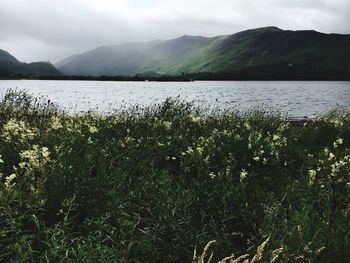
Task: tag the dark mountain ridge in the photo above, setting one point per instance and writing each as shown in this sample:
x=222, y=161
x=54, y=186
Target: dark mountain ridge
x=10, y=67
x=250, y=49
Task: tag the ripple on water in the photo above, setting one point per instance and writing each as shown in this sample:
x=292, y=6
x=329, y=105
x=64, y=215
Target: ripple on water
x=291, y=98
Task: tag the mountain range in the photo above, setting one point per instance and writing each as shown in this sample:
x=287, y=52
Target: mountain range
x=261, y=53
x=255, y=50
x=10, y=67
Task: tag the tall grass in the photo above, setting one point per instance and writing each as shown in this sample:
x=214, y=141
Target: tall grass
x=152, y=184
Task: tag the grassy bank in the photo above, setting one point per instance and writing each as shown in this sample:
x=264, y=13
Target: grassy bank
x=153, y=184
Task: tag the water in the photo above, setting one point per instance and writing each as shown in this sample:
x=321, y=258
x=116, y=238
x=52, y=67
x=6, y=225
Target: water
x=295, y=99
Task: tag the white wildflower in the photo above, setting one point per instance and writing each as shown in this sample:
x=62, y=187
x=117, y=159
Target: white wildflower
x=195, y=119
x=45, y=152
x=256, y=158
x=312, y=175
x=189, y=150
x=93, y=129
x=276, y=137
x=17, y=129
x=167, y=125
x=199, y=150
x=331, y=156
x=339, y=141
x=56, y=123
x=243, y=175
x=9, y=179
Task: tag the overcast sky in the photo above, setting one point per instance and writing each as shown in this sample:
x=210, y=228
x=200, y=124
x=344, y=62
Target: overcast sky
x=49, y=30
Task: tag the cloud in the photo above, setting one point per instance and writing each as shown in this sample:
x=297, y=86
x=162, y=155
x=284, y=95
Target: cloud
x=51, y=30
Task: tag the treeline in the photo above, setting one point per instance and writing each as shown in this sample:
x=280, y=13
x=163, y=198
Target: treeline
x=120, y=78
x=276, y=72
x=266, y=72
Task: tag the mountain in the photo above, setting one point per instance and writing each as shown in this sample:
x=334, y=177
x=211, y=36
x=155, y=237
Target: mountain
x=7, y=57
x=268, y=47
x=10, y=67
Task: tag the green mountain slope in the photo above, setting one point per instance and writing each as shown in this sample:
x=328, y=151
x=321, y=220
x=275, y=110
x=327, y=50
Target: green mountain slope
x=11, y=67
x=193, y=54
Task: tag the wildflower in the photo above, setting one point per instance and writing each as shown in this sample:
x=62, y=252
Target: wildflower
x=212, y=175
x=92, y=129
x=60, y=212
x=326, y=150
x=9, y=179
x=189, y=150
x=250, y=146
x=243, y=175
x=331, y=156
x=17, y=129
x=228, y=170
x=312, y=175
x=339, y=141
x=195, y=119
x=337, y=123
x=167, y=125
x=56, y=123
x=34, y=158
x=283, y=127
x=276, y=137
x=199, y=150
x=129, y=139
x=256, y=158
x=45, y=152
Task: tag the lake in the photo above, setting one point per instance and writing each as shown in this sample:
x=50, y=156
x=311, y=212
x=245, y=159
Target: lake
x=294, y=99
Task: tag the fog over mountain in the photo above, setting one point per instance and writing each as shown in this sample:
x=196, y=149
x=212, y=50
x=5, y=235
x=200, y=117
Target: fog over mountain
x=269, y=48
x=41, y=30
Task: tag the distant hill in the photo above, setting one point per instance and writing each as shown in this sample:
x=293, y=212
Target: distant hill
x=254, y=49
x=7, y=57
x=10, y=67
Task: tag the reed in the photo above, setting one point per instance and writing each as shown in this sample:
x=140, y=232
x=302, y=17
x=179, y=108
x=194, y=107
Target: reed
x=151, y=184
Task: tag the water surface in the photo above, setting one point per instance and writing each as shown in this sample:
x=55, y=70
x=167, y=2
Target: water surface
x=296, y=99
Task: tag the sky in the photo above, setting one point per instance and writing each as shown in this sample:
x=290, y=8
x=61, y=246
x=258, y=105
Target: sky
x=50, y=30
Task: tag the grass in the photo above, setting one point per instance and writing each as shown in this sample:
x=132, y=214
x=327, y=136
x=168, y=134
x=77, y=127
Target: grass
x=155, y=184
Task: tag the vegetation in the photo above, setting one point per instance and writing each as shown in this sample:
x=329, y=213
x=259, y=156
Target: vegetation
x=11, y=68
x=260, y=53
x=158, y=183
